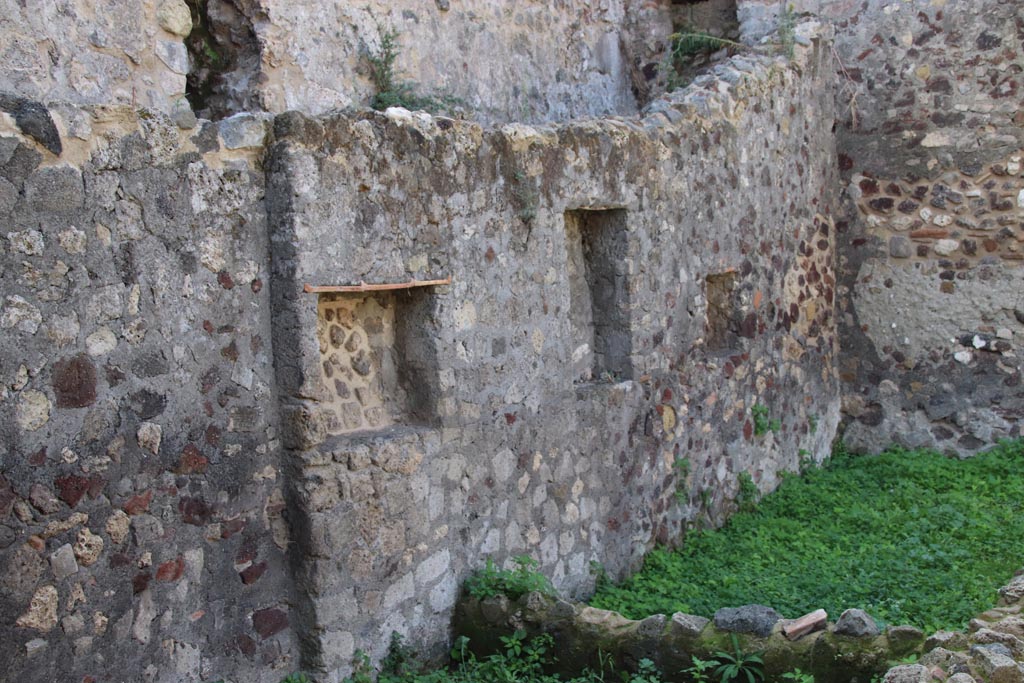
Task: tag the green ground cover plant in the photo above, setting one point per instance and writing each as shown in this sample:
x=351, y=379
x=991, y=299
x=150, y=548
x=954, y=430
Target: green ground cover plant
x=912, y=537
x=515, y=583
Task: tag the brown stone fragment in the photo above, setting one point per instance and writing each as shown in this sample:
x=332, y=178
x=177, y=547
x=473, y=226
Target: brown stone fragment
x=246, y=645
x=6, y=498
x=42, y=499
x=74, y=382
x=230, y=352
x=194, y=511
x=140, y=582
x=38, y=458
x=192, y=461
x=71, y=488
x=869, y=186
x=224, y=280
x=136, y=505
x=268, y=622
x=171, y=571
x=882, y=204
x=231, y=527
x=253, y=573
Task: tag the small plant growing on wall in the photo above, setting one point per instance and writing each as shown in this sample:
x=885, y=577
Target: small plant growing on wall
x=787, y=30
x=682, y=467
x=762, y=423
x=514, y=583
x=747, y=494
x=526, y=197
x=687, y=44
x=392, y=91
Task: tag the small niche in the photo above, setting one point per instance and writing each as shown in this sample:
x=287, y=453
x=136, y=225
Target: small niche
x=599, y=312
x=377, y=359
x=722, y=325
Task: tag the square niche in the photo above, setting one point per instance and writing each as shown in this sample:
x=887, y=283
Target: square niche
x=377, y=359
x=602, y=342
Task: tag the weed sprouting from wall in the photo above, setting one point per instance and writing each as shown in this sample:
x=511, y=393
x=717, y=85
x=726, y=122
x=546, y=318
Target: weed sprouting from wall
x=391, y=89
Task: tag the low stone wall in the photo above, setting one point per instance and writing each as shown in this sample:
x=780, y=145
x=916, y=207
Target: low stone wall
x=991, y=650
x=852, y=649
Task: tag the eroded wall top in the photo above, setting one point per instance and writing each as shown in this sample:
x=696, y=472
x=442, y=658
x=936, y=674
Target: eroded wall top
x=492, y=61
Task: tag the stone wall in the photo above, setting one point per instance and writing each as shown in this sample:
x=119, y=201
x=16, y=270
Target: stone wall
x=930, y=139
x=177, y=411
x=207, y=471
x=930, y=143
x=96, y=52
x=575, y=409
x=141, y=498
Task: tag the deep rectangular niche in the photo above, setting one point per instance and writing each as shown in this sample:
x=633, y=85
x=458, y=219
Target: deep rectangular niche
x=599, y=310
x=377, y=359
x=722, y=327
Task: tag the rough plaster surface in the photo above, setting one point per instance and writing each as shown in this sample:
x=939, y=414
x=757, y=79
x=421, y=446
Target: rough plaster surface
x=892, y=313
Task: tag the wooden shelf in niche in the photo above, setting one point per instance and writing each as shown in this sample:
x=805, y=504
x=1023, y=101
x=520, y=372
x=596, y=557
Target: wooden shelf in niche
x=373, y=287
x=377, y=357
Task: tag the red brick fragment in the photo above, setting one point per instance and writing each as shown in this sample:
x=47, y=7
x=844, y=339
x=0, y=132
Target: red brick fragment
x=71, y=488
x=269, y=622
x=192, y=461
x=136, y=505
x=926, y=233
x=171, y=571
x=253, y=573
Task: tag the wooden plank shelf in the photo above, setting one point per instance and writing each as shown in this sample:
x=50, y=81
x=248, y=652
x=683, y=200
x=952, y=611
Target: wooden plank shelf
x=373, y=287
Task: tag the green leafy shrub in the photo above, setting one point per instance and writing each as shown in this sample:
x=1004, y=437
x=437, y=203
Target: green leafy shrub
x=739, y=665
x=392, y=91
x=798, y=676
x=684, y=46
x=762, y=423
x=748, y=494
x=910, y=536
x=514, y=583
x=700, y=670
